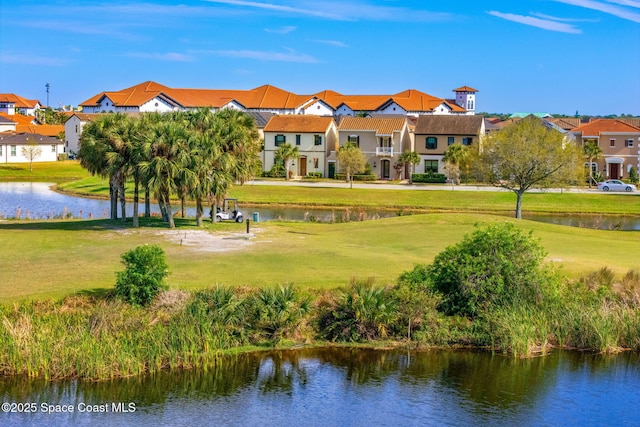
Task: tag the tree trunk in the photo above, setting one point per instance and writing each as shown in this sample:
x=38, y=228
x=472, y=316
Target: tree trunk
x=182, y=209
x=136, y=199
x=199, y=211
x=147, y=202
x=172, y=224
x=123, y=199
x=590, y=171
x=113, y=197
x=519, y=194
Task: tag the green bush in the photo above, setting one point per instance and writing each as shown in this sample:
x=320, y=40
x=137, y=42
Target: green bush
x=314, y=175
x=432, y=178
x=342, y=176
x=494, y=266
x=143, y=276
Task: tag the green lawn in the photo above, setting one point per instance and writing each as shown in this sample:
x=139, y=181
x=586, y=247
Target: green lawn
x=43, y=171
x=55, y=258
x=431, y=200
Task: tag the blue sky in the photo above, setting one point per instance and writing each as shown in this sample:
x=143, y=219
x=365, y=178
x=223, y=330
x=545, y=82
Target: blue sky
x=559, y=56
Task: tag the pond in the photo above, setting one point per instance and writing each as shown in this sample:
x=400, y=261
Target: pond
x=355, y=387
x=35, y=200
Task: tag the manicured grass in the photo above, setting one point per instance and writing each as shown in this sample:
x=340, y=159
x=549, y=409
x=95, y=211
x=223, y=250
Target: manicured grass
x=431, y=200
x=43, y=171
x=56, y=258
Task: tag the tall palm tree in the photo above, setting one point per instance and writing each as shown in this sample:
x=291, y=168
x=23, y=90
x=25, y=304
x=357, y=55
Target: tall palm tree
x=103, y=151
x=453, y=157
x=592, y=151
x=409, y=158
x=168, y=162
x=287, y=152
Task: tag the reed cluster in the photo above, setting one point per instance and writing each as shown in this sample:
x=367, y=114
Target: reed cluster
x=101, y=338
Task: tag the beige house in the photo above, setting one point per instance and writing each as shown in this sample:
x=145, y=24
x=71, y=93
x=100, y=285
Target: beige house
x=314, y=136
x=434, y=134
x=381, y=139
x=619, y=142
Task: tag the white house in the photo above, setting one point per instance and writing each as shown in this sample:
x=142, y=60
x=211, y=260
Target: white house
x=15, y=147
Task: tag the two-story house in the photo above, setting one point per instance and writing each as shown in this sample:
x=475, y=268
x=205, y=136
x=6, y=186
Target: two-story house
x=619, y=143
x=434, y=134
x=382, y=140
x=314, y=136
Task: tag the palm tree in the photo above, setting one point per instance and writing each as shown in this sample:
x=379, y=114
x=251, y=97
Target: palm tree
x=592, y=151
x=287, y=152
x=409, y=158
x=103, y=151
x=453, y=157
x=168, y=163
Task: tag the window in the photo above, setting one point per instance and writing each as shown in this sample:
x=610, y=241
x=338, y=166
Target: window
x=297, y=139
x=317, y=139
x=354, y=139
x=431, y=166
x=0, y=150
x=13, y=151
x=451, y=140
x=470, y=105
x=612, y=142
x=431, y=143
x=53, y=148
x=316, y=162
x=467, y=140
x=280, y=139
x=628, y=142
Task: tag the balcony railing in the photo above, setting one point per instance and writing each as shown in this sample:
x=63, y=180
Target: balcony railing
x=384, y=151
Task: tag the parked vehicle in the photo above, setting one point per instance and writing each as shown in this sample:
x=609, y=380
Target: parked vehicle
x=615, y=185
x=227, y=212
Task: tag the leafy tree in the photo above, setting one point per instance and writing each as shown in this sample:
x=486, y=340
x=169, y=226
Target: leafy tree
x=527, y=153
x=592, y=152
x=409, y=158
x=633, y=175
x=351, y=160
x=286, y=152
x=454, y=157
x=31, y=151
x=496, y=265
x=143, y=276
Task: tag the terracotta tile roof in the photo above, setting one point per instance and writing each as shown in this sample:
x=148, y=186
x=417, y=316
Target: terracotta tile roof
x=596, y=127
x=382, y=126
x=465, y=89
x=20, y=119
x=46, y=130
x=298, y=123
x=267, y=97
x=449, y=125
x=19, y=101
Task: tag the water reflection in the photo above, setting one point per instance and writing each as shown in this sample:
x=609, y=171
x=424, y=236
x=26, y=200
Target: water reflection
x=357, y=387
x=35, y=200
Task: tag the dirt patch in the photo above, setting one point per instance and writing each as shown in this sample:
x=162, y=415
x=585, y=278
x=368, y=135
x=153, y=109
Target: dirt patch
x=205, y=241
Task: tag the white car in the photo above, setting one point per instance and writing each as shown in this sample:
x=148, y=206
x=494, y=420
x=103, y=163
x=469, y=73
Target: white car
x=616, y=185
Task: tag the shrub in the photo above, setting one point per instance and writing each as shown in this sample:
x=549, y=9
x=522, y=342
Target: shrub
x=360, y=177
x=496, y=265
x=432, y=178
x=314, y=175
x=143, y=276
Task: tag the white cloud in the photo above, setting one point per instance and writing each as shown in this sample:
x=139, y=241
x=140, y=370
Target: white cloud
x=618, y=11
x=169, y=56
x=343, y=11
x=290, y=56
x=555, y=18
x=332, y=43
x=545, y=24
x=630, y=3
x=281, y=30
x=21, y=58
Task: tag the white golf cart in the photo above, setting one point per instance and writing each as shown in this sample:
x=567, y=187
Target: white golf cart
x=228, y=212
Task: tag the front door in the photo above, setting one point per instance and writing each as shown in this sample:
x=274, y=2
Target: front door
x=332, y=170
x=302, y=168
x=386, y=169
x=614, y=171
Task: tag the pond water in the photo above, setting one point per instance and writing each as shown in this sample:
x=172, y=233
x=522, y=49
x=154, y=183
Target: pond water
x=35, y=200
x=354, y=387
